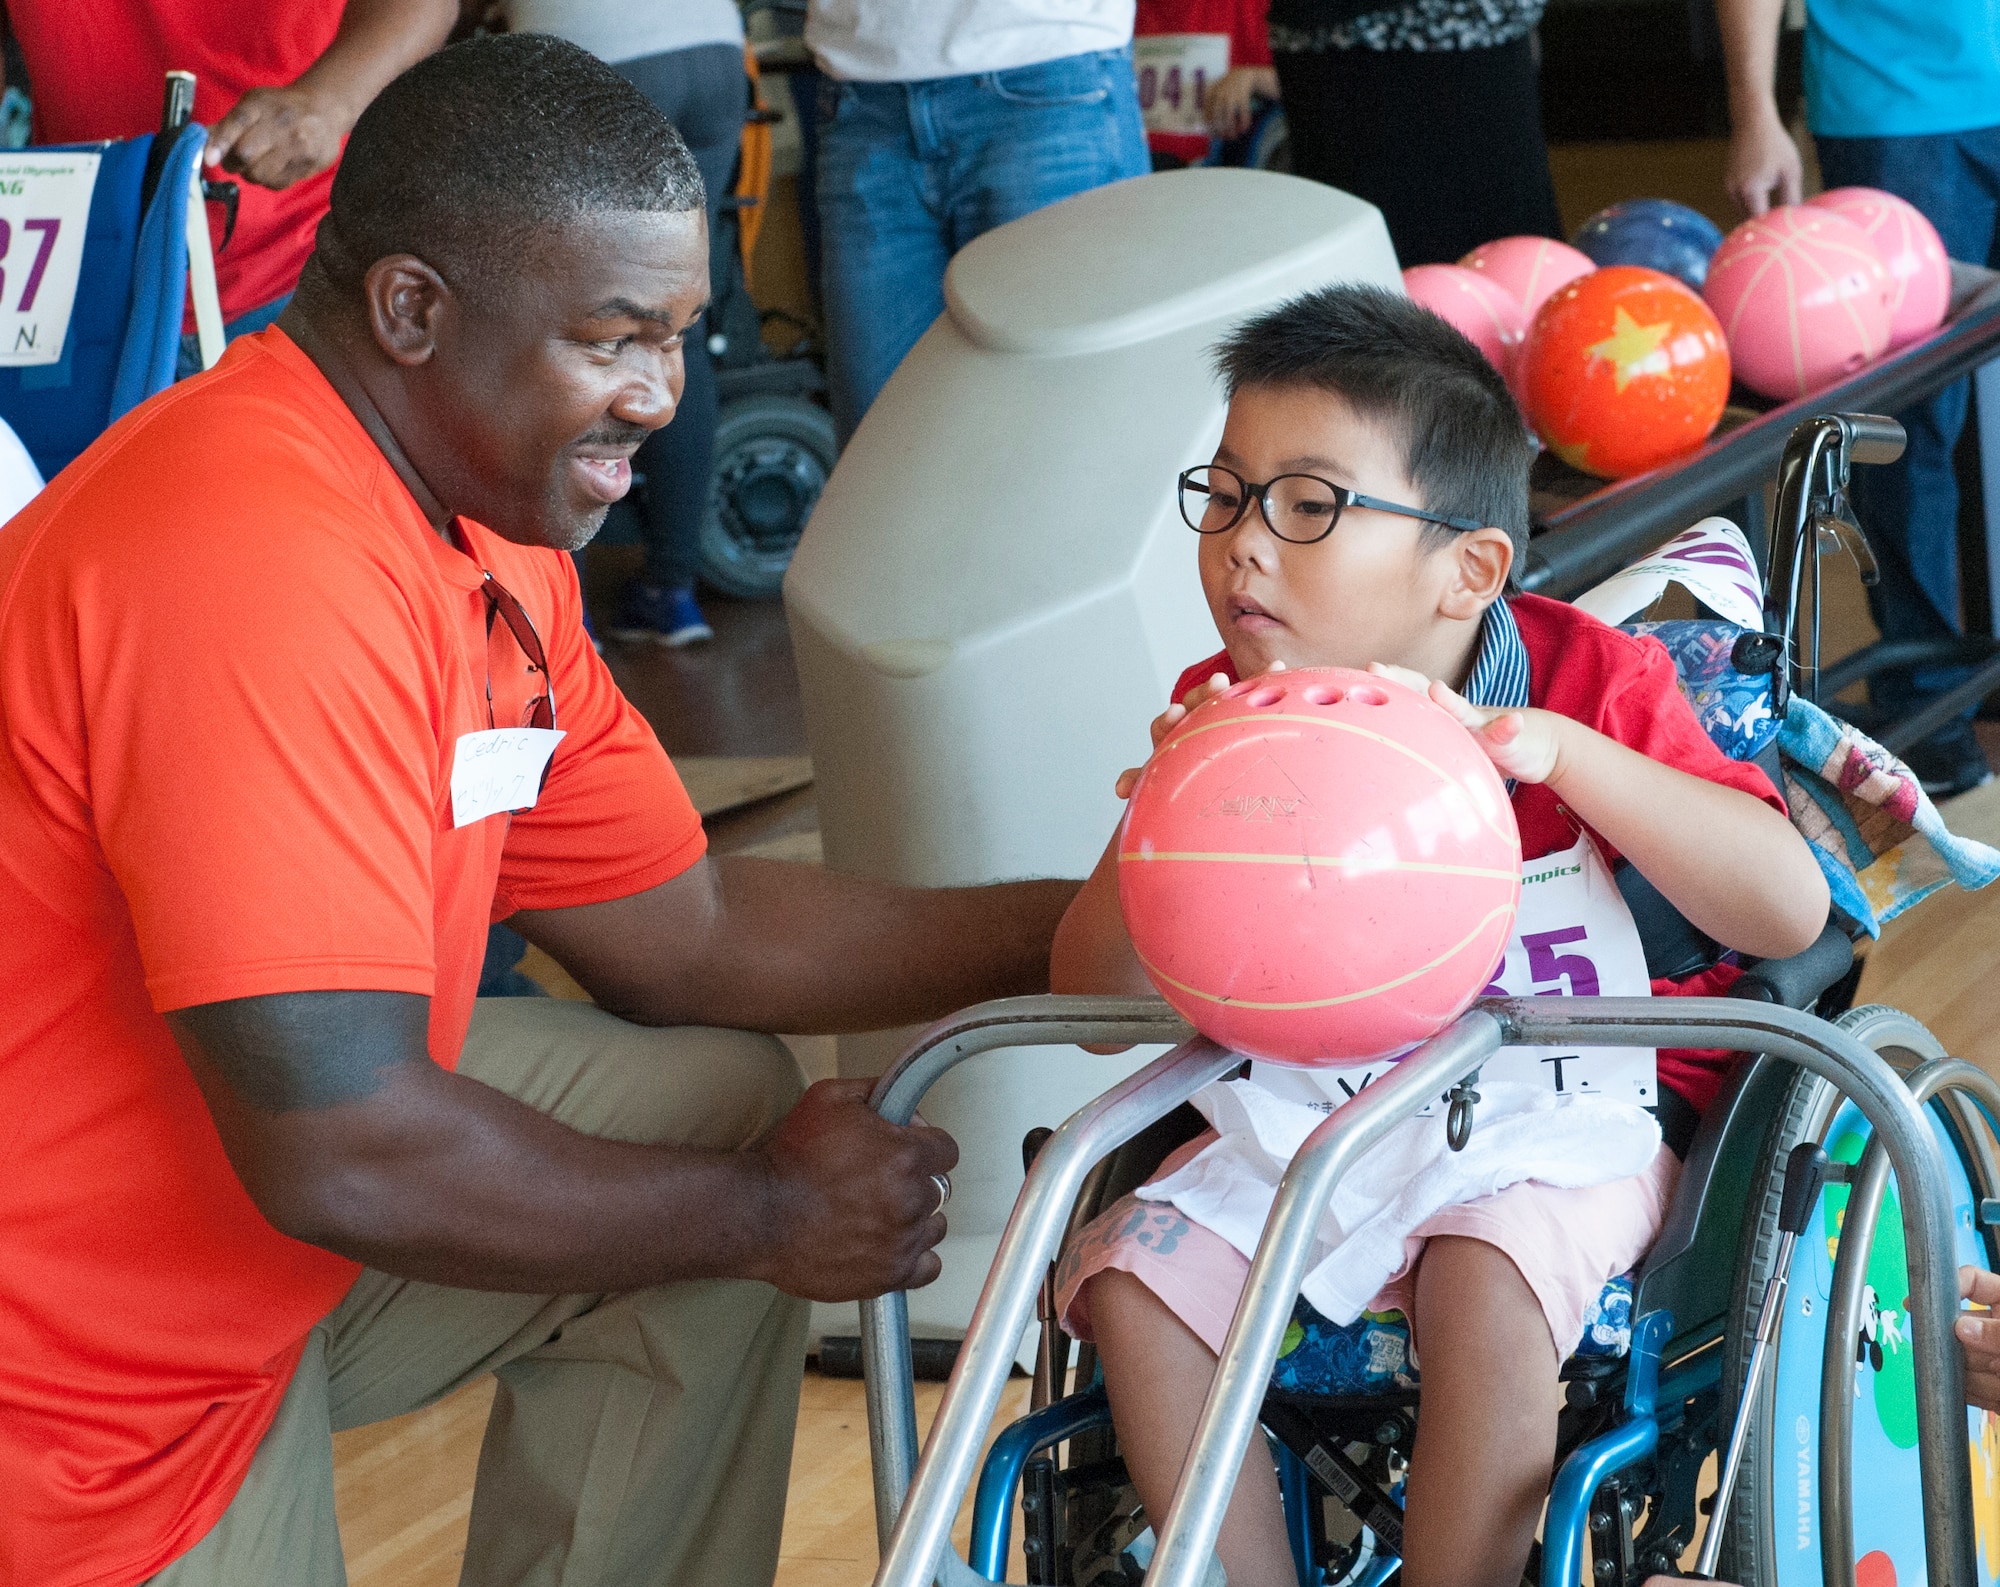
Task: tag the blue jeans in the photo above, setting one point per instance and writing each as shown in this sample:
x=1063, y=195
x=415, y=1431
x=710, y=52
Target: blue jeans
x=909, y=173
x=1910, y=508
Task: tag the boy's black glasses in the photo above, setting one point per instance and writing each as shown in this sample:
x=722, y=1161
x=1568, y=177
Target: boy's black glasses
x=1300, y=508
x=500, y=602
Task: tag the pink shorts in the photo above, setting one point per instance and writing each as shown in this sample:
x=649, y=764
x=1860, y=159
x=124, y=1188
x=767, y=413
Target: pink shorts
x=1566, y=1243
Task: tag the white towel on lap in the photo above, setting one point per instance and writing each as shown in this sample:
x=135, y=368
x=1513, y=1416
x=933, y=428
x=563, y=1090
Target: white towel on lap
x=1521, y=1132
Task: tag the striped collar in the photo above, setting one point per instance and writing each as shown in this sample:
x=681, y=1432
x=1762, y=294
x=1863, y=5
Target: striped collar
x=1499, y=678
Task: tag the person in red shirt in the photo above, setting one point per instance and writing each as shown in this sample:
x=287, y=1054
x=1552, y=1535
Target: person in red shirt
x=278, y=85
x=294, y=700
x=1202, y=64
x=1365, y=507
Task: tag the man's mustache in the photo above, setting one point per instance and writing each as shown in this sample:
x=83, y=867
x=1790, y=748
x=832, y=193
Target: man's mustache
x=615, y=433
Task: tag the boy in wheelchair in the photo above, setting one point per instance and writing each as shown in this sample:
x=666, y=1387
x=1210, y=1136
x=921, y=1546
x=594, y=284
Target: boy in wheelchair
x=1393, y=509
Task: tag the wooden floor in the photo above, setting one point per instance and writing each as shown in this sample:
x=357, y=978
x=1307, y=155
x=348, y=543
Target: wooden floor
x=404, y=1489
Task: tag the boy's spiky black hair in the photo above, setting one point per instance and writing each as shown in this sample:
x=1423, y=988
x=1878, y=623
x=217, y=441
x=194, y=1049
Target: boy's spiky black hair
x=1397, y=364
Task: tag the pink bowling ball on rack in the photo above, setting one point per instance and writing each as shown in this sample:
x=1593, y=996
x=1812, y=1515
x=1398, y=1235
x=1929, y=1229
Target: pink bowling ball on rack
x=1490, y=317
x=1803, y=299
x=1911, y=251
x=1319, y=868
x=1530, y=268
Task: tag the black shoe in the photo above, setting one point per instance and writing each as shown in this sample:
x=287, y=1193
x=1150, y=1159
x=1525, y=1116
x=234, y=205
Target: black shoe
x=666, y=617
x=1949, y=762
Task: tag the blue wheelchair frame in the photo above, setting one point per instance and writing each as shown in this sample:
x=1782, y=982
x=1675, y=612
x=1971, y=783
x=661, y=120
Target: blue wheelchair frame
x=1668, y=1380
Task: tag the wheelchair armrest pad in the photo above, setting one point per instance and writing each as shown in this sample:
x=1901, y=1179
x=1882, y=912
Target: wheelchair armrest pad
x=1797, y=982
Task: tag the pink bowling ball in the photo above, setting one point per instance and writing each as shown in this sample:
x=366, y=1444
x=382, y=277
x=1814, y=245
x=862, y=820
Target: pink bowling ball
x=1911, y=251
x=1491, y=318
x=1803, y=299
x=1319, y=868
x=1530, y=268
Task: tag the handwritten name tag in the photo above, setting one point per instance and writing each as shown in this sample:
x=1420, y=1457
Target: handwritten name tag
x=499, y=769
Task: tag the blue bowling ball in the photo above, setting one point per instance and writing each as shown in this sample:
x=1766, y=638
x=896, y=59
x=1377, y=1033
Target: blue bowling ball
x=1654, y=232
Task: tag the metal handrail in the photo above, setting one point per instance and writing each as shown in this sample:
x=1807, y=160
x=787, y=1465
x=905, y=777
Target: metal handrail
x=887, y=1380
x=919, y=1543
x=1188, y=1533
x=916, y=1549
x=1939, y=1076
x=1229, y=1415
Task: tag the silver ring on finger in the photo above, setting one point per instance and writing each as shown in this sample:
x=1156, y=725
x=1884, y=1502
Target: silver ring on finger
x=943, y=1183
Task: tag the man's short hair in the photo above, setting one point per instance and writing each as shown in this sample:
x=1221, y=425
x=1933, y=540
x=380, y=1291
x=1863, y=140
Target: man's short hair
x=1395, y=363
x=469, y=151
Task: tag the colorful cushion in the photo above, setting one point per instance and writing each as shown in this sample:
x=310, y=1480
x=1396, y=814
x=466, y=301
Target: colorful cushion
x=1734, y=708
x=1372, y=1354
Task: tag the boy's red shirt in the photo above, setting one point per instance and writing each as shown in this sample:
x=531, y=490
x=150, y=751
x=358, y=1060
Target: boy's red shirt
x=1625, y=688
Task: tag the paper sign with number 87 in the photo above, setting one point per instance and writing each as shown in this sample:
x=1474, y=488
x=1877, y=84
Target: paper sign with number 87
x=44, y=210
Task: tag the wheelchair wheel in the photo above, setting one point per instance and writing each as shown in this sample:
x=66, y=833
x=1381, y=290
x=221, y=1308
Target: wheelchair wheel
x=1774, y=1524
x=773, y=454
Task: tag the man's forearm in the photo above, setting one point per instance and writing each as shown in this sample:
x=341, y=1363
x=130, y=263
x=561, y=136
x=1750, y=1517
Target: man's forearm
x=862, y=955
x=433, y=1176
x=762, y=945
x=1750, y=55
x=346, y=1135
x=376, y=41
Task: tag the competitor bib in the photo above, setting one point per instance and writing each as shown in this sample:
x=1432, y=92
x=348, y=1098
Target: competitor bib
x=44, y=208
x=1574, y=936
x=1175, y=71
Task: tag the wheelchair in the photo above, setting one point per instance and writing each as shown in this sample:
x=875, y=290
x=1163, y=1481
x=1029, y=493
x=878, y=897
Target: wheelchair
x=1857, y=1369
x=146, y=258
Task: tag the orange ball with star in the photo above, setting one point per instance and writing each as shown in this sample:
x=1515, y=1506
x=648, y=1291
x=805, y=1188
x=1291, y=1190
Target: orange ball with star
x=1623, y=370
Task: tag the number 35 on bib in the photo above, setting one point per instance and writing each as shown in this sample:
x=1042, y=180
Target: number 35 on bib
x=1574, y=936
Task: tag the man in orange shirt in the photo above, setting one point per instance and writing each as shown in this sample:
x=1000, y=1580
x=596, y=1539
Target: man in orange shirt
x=294, y=698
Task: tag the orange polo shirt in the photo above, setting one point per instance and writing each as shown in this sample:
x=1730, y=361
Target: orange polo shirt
x=235, y=661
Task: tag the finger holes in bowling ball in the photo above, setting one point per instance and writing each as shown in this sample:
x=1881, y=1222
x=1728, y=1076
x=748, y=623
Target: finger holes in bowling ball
x=1367, y=695
x=1265, y=697
x=1320, y=694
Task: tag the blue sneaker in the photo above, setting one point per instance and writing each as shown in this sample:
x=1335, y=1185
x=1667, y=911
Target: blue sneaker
x=663, y=617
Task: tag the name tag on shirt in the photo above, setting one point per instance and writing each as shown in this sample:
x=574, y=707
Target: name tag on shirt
x=498, y=770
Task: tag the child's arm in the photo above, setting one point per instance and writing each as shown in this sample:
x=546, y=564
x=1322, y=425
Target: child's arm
x=1728, y=861
x=1092, y=953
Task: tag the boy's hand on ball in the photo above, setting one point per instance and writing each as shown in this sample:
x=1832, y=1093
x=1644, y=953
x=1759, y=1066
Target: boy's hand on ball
x=854, y=1209
x=1174, y=715
x=1522, y=745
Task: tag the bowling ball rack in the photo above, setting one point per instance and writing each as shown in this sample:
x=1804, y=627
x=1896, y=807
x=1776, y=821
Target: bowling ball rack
x=1584, y=530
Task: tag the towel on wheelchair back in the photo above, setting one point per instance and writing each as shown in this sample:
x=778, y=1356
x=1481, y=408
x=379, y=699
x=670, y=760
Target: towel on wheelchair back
x=1879, y=840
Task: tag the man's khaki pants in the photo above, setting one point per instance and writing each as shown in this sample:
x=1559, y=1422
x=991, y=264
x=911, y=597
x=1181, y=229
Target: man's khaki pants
x=635, y=1439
